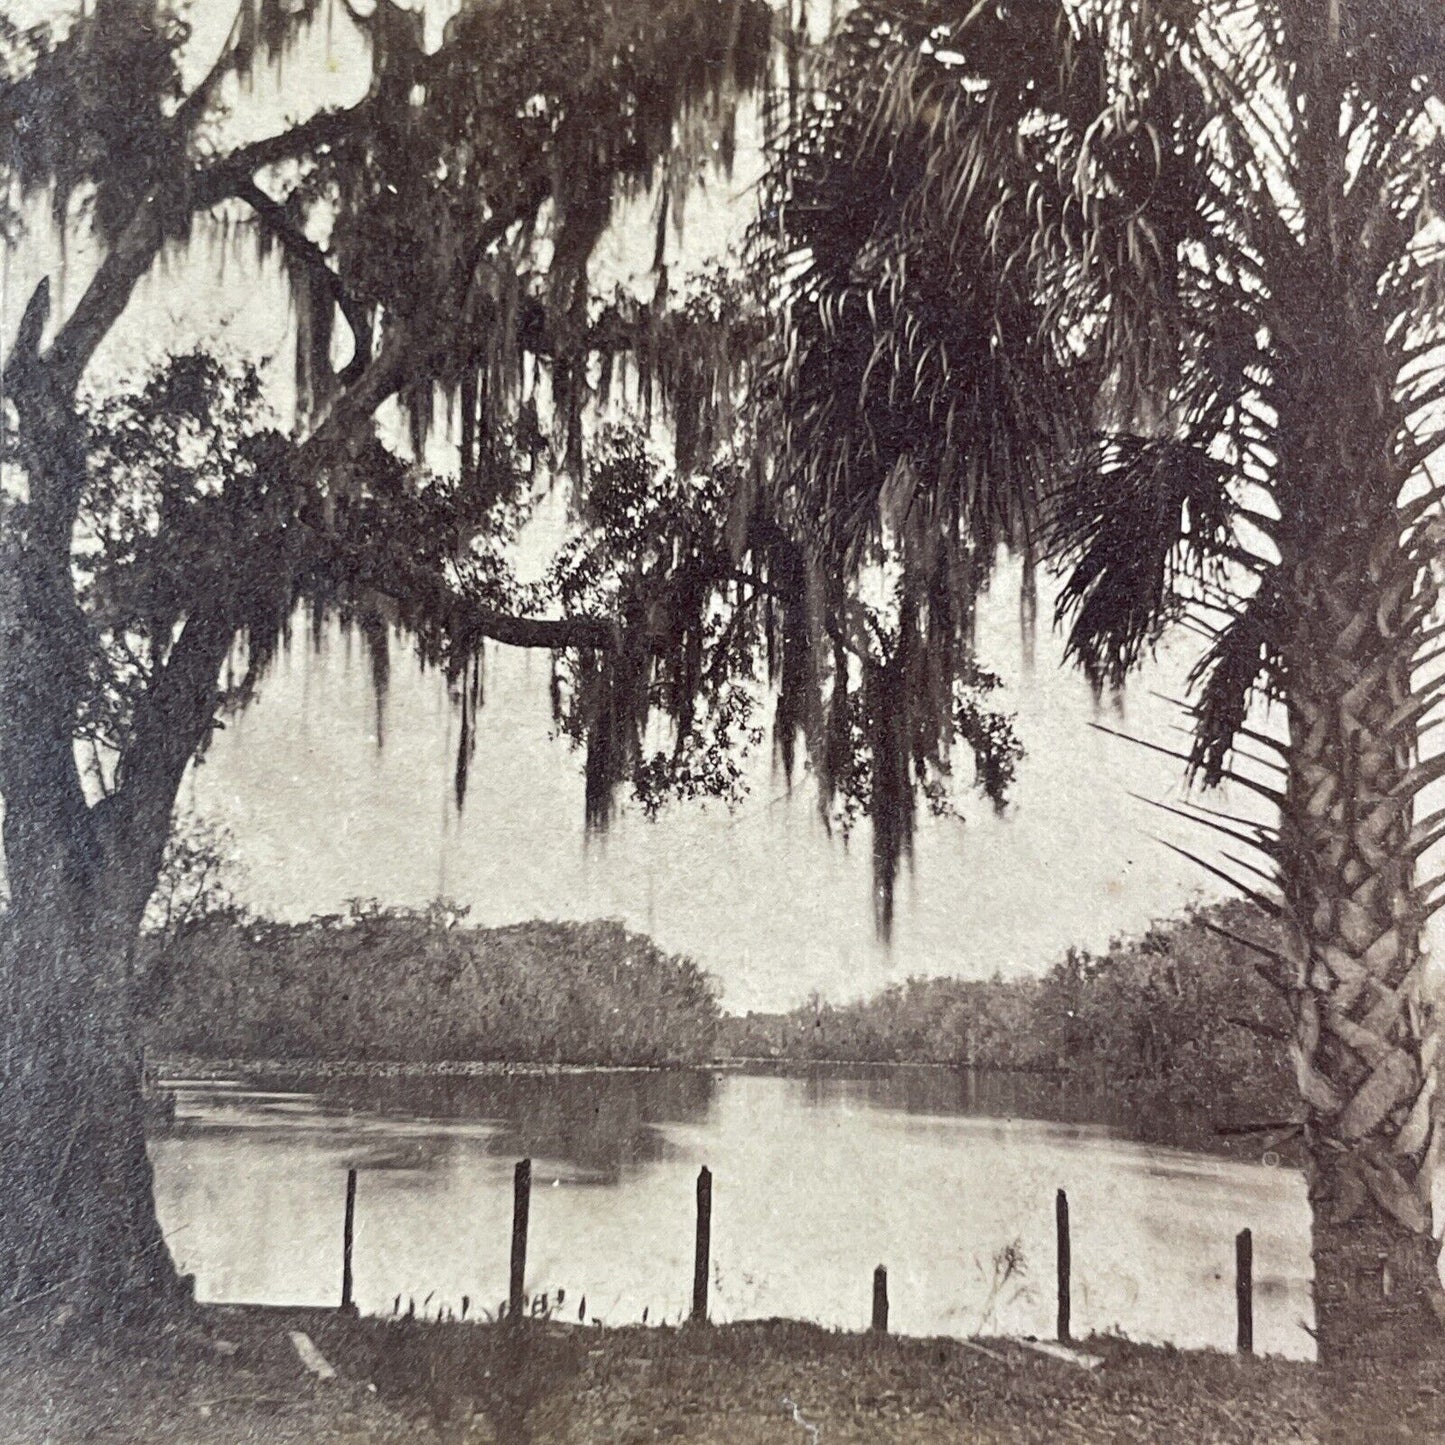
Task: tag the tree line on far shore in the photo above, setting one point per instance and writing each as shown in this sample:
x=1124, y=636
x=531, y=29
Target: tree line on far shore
x=423, y=985
x=1175, y=1020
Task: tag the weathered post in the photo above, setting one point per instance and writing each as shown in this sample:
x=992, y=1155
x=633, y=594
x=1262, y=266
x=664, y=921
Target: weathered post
x=1061, y=1225
x=348, y=1239
x=1244, y=1290
x=702, y=1256
x=521, y=1208
x=880, y=1301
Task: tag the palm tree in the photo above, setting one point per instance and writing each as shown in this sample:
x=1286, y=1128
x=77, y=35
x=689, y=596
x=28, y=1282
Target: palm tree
x=1153, y=287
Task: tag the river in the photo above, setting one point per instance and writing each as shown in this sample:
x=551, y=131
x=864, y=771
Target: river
x=817, y=1178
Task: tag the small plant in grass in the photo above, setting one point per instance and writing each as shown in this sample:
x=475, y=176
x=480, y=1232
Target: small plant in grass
x=1009, y=1267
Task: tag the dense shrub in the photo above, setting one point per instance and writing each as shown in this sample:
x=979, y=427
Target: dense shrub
x=1179, y=1017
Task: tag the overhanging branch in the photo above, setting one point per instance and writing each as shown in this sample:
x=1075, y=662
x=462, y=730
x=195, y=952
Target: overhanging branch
x=467, y=622
x=427, y=602
x=596, y=634
x=218, y=179
x=272, y=215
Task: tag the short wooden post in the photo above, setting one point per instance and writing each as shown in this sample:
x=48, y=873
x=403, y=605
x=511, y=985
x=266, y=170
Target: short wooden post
x=521, y=1208
x=1244, y=1290
x=1061, y=1225
x=348, y=1239
x=880, y=1301
x=702, y=1255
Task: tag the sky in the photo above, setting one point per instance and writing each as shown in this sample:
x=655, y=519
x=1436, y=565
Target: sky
x=762, y=896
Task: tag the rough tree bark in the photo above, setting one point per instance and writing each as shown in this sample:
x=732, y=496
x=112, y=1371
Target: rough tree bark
x=75, y=1178
x=79, y=1215
x=1359, y=596
x=1356, y=917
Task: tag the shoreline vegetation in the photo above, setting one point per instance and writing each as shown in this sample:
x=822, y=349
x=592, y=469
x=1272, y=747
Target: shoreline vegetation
x=1172, y=1033
x=232, y=1375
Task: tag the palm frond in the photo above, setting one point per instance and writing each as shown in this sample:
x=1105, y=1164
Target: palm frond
x=1246, y=658
x=1138, y=515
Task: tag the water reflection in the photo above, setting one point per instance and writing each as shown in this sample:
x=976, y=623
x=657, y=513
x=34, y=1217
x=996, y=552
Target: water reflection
x=944, y=1177
x=601, y=1124
x=951, y=1091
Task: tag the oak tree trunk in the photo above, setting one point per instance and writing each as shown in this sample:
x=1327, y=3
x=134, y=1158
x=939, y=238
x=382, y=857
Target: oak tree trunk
x=79, y=1219
x=77, y=1213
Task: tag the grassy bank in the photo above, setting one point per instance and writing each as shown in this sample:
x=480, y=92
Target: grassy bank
x=233, y=1377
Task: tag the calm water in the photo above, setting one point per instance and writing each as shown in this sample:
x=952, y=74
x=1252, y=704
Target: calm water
x=816, y=1180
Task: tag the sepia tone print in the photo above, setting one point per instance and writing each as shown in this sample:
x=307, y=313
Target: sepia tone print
x=717, y=720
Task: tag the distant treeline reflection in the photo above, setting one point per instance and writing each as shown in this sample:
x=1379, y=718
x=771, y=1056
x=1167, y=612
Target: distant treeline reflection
x=603, y=1125
x=1176, y=1024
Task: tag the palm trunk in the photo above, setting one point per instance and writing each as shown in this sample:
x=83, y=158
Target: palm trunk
x=1355, y=917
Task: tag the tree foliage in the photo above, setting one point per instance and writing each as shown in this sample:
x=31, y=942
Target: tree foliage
x=1173, y=1027
x=460, y=200
x=157, y=544
x=462, y=197
x=421, y=985
x=1076, y=285
x=1178, y=268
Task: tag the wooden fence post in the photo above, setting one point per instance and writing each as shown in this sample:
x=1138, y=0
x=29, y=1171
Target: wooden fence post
x=702, y=1256
x=1244, y=1290
x=521, y=1208
x=348, y=1240
x=880, y=1301
x=1061, y=1226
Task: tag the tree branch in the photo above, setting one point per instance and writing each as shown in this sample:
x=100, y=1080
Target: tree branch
x=399, y=353
x=98, y=309
x=132, y=256
x=172, y=721
x=341, y=426
x=272, y=215
x=176, y=713
x=217, y=179
x=467, y=622
x=194, y=105
x=555, y=634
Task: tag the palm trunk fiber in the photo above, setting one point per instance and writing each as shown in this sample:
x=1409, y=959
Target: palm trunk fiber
x=1355, y=916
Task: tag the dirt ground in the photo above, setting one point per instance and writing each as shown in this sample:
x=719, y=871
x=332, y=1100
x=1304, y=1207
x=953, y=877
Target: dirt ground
x=233, y=1376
